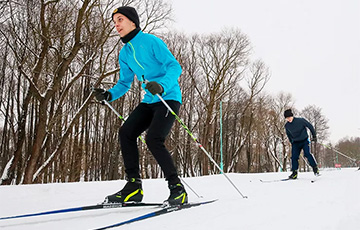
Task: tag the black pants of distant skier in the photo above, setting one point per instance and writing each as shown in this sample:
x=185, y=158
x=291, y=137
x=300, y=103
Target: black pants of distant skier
x=295, y=153
x=157, y=120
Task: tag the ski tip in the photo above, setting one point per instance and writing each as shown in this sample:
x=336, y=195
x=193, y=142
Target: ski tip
x=276, y=180
x=200, y=203
x=192, y=203
x=211, y=201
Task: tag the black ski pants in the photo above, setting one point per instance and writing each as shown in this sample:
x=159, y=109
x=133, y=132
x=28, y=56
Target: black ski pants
x=157, y=120
x=296, y=148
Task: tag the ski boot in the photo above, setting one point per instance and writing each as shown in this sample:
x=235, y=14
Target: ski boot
x=178, y=195
x=316, y=171
x=294, y=175
x=131, y=192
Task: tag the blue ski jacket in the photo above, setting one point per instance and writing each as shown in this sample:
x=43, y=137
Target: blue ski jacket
x=148, y=57
x=296, y=130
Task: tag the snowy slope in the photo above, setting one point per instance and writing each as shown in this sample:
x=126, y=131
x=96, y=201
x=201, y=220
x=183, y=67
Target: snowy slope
x=332, y=202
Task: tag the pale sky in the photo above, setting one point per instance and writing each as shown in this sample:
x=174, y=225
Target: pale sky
x=312, y=48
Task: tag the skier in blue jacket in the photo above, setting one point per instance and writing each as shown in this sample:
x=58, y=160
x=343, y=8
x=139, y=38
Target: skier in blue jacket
x=148, y=58
x=299, y=139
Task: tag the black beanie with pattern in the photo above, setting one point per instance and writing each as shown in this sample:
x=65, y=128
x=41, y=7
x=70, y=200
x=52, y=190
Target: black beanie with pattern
x=129, y=12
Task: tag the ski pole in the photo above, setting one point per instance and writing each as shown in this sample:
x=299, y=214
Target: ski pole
x=198, y=143
x=183, y=181
x=123, y=119
x=119, y=116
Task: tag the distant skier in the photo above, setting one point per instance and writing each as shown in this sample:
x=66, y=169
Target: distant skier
x=147, y=57
x=299, y=139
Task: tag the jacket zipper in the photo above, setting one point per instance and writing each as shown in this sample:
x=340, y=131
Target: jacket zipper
x=137, y=62
x=132, y=47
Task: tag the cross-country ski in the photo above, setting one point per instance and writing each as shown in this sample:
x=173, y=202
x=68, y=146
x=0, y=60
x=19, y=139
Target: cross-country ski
x=288, y=179
x=162, y=211
x=276, y=180
x=83, y=208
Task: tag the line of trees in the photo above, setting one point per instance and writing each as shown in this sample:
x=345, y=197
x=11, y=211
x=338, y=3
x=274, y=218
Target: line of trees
x=52, y=129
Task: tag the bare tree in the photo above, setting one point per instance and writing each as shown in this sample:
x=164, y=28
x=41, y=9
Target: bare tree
x=280, y=144
x=257, y=79
x=314, y=115
x=222, y=59
x=64, y=56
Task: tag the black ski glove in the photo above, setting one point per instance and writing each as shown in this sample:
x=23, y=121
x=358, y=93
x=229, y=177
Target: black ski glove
x=154, y=88
x=314, y=139
x=101, y=94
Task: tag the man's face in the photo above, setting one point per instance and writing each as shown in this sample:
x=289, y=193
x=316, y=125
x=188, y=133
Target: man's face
x=123, y=25
x=289, y=119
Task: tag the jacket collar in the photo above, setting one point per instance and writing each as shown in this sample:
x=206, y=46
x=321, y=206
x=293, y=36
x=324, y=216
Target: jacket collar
x=130, y=35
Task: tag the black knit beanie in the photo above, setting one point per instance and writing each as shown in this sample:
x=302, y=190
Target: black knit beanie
x=129, y=12
x=288, y=113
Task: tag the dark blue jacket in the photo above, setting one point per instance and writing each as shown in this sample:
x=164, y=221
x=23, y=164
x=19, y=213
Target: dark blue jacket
x=296, y=130
x=147, y=56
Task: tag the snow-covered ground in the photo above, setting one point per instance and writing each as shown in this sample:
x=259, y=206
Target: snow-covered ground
x=332, y=202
